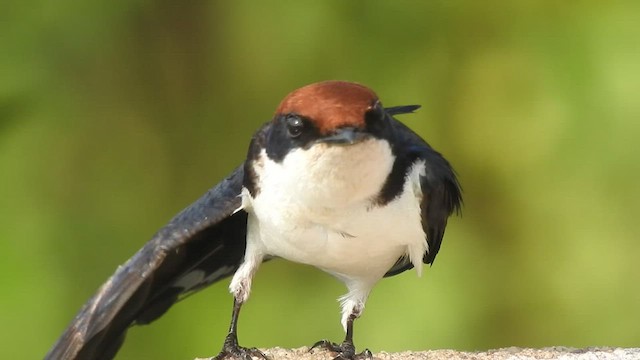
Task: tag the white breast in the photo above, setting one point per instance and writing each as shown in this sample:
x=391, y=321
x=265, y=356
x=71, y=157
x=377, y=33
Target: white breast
x=315, y=207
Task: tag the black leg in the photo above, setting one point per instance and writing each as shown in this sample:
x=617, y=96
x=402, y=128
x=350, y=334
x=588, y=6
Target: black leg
x=231, y=349
x=346, y=350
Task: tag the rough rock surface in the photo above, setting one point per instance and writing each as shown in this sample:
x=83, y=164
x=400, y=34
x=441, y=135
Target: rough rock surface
x=562, y=353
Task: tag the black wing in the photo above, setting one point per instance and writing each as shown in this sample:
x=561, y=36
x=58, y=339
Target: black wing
x=441, y=192
x=201, y=245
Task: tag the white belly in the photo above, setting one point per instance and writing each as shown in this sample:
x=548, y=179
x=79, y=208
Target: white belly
x=359, y=244
x=337, y=230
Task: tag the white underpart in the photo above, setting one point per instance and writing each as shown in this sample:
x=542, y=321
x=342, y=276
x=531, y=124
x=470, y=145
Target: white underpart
x=316, y=207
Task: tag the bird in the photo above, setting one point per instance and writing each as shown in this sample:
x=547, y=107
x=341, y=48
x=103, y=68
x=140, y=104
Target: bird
x=333, y=180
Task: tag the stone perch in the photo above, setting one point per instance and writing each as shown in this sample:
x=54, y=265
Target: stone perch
x=512, y=353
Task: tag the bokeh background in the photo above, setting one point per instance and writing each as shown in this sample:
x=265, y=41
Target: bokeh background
x=115, y=115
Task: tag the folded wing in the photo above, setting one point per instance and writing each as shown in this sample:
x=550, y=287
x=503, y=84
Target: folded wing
x=441, y=192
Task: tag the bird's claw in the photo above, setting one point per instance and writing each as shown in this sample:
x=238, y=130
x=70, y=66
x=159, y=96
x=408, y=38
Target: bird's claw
x=231, y=350
x=345, y=351
x=240, y=353
x=326, y=344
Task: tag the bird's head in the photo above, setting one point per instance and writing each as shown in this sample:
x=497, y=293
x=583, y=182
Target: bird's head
x=335, y=133
x=328, y=114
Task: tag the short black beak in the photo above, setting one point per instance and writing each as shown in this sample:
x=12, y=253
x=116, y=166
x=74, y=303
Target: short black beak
x=346, y=136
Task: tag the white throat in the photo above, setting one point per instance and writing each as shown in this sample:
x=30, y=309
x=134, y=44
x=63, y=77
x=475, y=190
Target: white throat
x=331, y=176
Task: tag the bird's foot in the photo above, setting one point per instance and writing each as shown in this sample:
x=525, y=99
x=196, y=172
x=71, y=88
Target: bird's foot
x=240, y=353
x=345, y=351
x=231, y=350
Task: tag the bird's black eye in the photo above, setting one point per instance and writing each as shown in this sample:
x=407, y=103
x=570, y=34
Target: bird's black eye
x=295, y=125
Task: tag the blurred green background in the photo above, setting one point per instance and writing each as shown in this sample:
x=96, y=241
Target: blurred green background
x=115, y=115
